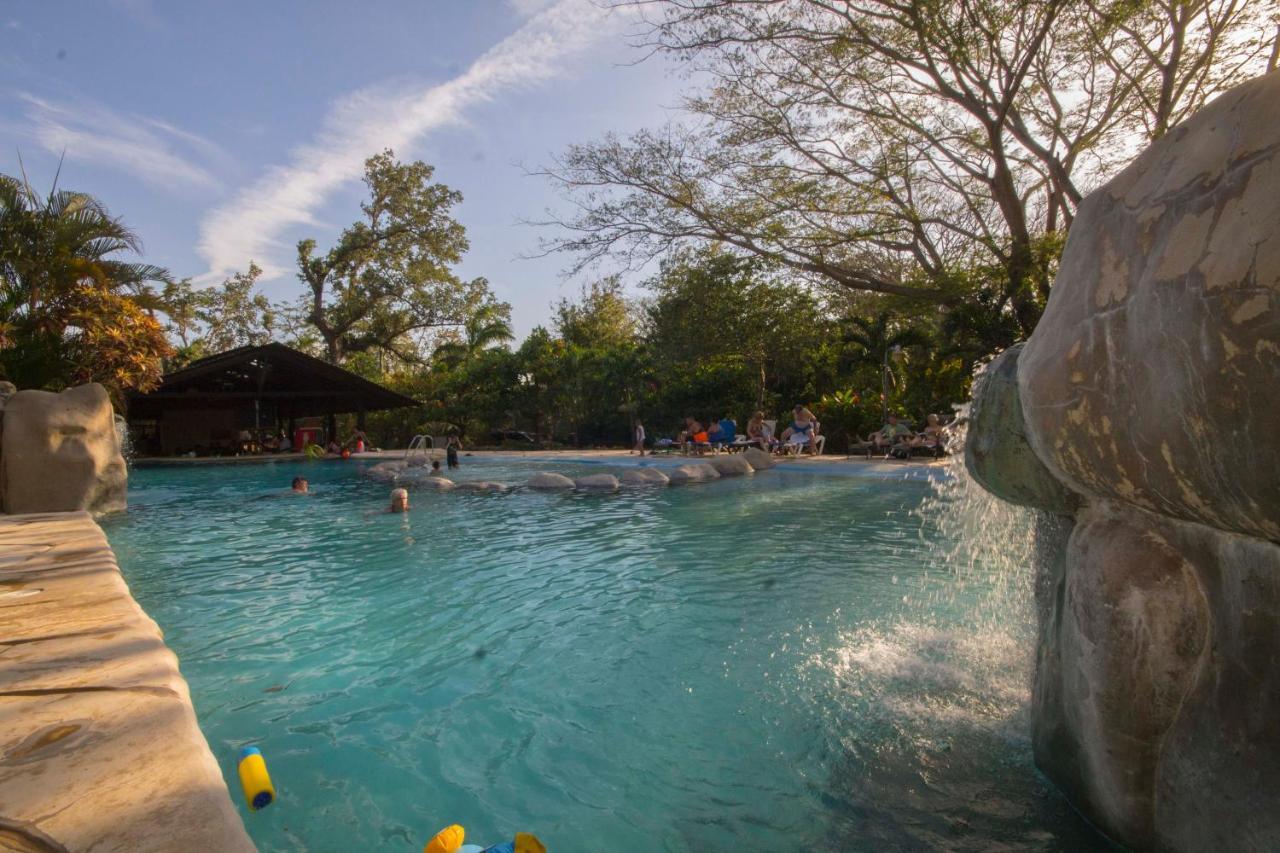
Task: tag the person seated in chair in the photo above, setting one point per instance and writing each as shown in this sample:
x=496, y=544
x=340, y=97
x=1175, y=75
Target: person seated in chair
x=891, y=436
x=933, y=437
x=803, y=430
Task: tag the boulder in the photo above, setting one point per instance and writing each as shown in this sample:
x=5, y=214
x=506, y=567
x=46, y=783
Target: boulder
x=696, y=473
x=422, y=478
x=480, y=486
x=597, y=483
x=644, y=477
x=1152, y=377
x=61, y=452
x=384, y=472
x=758, y=459
x=549, y=481
x=1141, y=415
x=731, y=465
x=997, y=451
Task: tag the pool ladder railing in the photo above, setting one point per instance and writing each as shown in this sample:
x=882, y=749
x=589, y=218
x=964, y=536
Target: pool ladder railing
x=424, y=444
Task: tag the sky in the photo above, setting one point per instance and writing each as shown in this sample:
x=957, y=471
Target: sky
x=225, y=132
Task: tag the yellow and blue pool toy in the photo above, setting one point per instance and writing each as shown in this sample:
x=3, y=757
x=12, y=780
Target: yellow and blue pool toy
x=449, y=840
x=254, y=779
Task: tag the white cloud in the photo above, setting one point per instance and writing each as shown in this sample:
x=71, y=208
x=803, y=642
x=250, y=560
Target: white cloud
x=526, y=8
x=251, y=224
x=149, y=149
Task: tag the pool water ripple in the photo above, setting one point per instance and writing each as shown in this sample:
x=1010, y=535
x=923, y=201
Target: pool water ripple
x=770, y=663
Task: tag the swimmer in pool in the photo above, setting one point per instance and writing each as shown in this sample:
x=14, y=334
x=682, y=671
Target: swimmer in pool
x=300, y=485
x=399, y=501
x=435, y=469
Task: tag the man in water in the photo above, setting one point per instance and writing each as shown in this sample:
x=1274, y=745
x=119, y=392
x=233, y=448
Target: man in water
x=451, y=449
x=435, y=469
x=300, y=485
x=399, y=500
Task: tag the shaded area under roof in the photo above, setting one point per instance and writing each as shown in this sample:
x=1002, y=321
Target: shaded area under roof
x=294, y=381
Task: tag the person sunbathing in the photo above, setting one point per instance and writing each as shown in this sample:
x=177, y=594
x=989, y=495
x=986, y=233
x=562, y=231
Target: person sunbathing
x=932, y=437
x=891, y=435
x=803, y=430
x=758, y=432
x=694, y=437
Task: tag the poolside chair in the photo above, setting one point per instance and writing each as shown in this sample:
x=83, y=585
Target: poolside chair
x=728, y=435
x=797, y=449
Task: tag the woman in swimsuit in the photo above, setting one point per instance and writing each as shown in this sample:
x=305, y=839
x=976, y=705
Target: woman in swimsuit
x=802, y=421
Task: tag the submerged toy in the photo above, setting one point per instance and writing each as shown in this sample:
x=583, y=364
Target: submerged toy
x=449, y=840
x=254, y=779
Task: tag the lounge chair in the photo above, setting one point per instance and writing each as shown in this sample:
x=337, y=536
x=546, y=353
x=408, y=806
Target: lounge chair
x=728, y=435
x=797, y=448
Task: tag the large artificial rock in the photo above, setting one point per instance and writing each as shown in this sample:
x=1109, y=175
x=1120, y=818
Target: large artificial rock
x=480, y=486
x=644, y=477
x=997, y=451
x=731, y=465
x=758, y=459
x=384, y=472
x=421, y=478
x=547, y=481
x=597, y=483
x=1141, y=415
x=1153, y=376
x=697, y=473
x=61, y=453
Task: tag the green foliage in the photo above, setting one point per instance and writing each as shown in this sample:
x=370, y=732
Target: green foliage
x=389, y=277
x=70, y=310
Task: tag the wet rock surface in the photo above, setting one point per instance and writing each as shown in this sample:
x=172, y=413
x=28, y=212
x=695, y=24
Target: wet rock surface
x=644, y=477
x=697, y=473
x=99, y=747
x=1148, y=400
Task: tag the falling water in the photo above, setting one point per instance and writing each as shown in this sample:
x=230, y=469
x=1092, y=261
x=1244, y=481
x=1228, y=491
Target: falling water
x=124, y=441
x=936, y=696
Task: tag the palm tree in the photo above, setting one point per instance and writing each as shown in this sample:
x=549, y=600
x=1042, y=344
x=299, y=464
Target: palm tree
x=485, y=328
x=60, y=281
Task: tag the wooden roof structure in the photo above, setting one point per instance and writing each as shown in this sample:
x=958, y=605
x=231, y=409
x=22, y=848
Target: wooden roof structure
x=272, y=373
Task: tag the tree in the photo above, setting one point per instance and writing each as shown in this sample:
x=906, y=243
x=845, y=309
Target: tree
x=601, y=318
x=489, y=325
x=388, y=278
x=891, y=146
x=213, y=320
x=70, y=309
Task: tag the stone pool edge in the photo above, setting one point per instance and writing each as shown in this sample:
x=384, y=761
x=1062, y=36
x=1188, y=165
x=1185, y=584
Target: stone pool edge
x=99, y=743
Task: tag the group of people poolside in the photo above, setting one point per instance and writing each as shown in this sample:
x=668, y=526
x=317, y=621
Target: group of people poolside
x=696, y=438
x=801, y=434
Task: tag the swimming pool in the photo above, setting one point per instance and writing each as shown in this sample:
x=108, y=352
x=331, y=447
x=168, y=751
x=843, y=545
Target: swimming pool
x=780, y=662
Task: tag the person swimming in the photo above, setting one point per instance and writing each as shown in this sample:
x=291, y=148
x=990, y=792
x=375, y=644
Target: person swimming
x=399, y=500
x=300, y=486
x=435, y=469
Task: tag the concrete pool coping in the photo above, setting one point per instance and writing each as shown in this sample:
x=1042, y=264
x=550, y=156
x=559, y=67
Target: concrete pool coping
x=99, y=744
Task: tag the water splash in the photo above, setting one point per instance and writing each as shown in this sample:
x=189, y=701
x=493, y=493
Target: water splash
x=933, y=703
x=124, y=440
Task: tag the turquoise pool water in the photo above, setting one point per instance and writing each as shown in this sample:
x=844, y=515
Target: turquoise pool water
x=783, y=662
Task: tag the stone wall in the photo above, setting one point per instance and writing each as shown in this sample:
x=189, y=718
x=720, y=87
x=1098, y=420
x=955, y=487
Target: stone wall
x=99, y=747
x=1142, y=418
x=60, y=452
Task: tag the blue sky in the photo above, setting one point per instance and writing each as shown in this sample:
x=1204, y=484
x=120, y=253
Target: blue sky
x=226, y=131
